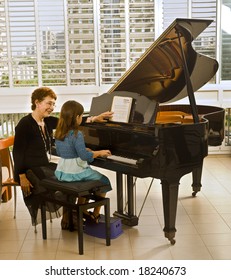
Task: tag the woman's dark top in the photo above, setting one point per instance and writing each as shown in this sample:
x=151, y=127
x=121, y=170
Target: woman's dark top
x=30, y=148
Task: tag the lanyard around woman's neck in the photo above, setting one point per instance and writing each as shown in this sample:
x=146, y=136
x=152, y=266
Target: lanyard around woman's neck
x=46, y=140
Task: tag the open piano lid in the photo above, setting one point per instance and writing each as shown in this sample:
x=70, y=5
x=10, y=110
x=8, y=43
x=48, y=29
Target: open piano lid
x=159, y=73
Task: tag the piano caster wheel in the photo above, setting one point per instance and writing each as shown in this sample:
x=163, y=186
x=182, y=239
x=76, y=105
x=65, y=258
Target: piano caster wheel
x=170, y=236
x=172, y=241
x=194, y=194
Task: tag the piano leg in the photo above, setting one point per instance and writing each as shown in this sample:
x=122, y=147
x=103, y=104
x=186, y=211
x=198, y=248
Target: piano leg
x=196, y=177
x=119, y=189
x=170, y=198
x=127, y=218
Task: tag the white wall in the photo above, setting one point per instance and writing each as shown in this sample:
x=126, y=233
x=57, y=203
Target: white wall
x=18, y=100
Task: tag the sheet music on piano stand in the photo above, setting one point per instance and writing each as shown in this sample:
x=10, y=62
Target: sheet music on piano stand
x=122, y=107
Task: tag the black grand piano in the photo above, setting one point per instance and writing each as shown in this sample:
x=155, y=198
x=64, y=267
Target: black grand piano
x=160, y=140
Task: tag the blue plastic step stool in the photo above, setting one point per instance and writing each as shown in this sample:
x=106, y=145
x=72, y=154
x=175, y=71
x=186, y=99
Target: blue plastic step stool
x=98, y=230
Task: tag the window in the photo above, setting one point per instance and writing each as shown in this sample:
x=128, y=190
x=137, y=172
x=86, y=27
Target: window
x=32, y=39
x=93, y=42
x=51, y=42
x=226, y=40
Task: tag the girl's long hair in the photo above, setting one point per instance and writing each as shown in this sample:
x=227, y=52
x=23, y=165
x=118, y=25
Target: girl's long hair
x=67, y=120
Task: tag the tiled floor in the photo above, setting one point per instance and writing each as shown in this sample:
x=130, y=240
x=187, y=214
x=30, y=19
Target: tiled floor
x=203, y=225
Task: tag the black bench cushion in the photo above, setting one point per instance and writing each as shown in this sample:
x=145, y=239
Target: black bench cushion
x=72, y=188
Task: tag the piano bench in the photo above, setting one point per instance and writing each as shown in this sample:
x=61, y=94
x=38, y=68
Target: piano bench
x=74, y=190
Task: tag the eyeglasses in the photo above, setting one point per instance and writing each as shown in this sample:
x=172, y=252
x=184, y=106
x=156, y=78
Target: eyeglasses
x=50, y=104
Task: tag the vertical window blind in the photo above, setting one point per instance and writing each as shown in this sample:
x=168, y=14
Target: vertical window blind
x=21, y=43
x=81, y=42
x=4, y=62
x=112, y=39
x=51, y=42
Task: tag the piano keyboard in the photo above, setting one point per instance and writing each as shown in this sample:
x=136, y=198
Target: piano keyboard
x=123, y=159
